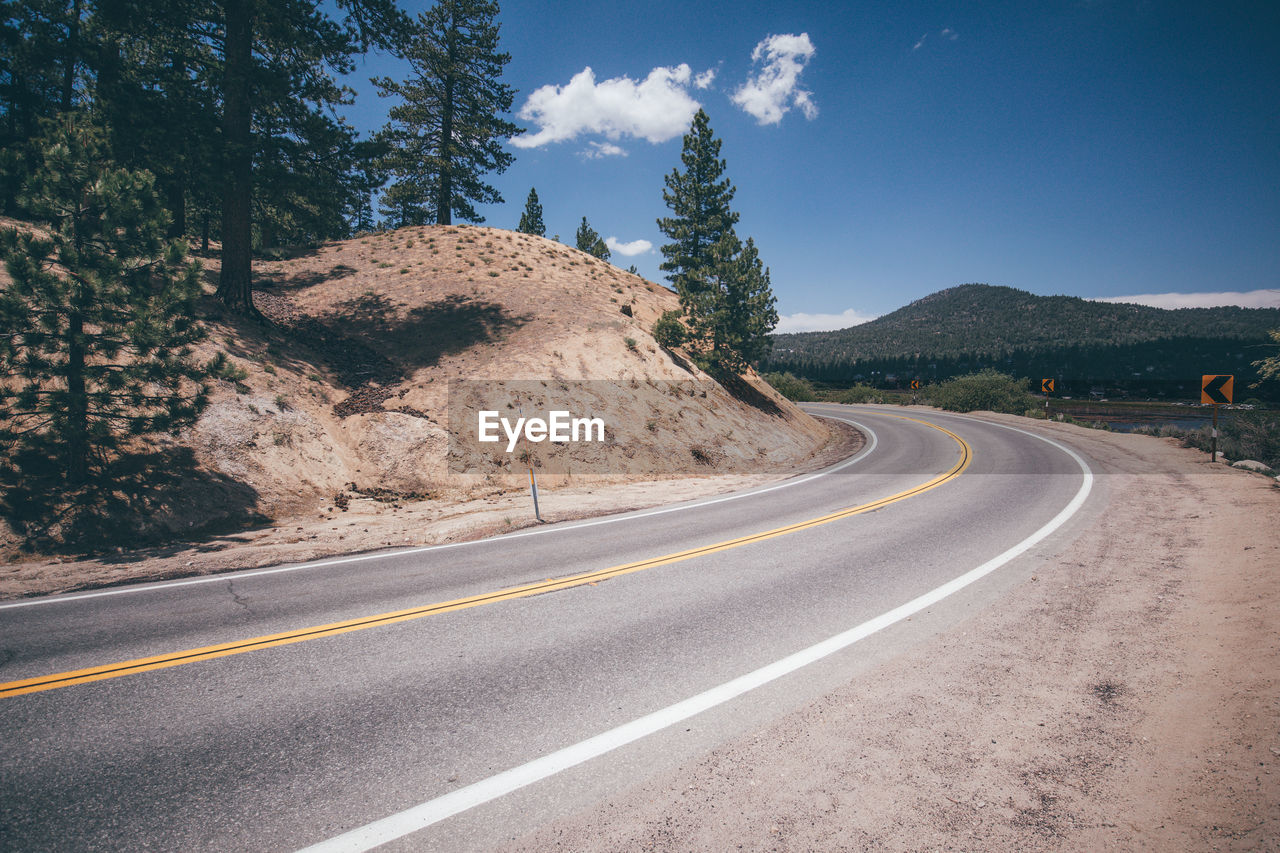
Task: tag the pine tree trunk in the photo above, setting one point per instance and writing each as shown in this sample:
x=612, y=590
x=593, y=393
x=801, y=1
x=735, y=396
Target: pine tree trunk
x=71, y=57
x=77, y=404
x=444, y=201
x=178, y=206
x=235, y=285
x=178, y=186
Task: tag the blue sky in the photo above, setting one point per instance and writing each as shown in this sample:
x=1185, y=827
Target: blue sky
x=883, y=151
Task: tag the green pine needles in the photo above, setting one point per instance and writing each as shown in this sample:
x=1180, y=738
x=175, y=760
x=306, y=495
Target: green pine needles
x=98, y=318
x=448, y=132
x=589, y=240
x=723, y=286
x=531, y=218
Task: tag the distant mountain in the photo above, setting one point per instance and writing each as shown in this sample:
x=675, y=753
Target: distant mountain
x=978, y=325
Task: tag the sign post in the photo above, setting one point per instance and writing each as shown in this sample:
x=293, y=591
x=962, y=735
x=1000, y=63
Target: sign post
x=533, y=479
x=1215, y=390
x=1046, y=387
x=533, y=490
x=915, y=386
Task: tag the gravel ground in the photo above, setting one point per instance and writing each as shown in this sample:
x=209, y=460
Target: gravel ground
x=1123, y=697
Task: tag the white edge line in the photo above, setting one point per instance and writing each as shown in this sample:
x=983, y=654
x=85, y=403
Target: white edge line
x=433, y=811
x=383, y=555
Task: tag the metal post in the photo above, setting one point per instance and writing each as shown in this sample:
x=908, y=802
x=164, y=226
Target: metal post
x=1213, y=456
x=533, y=490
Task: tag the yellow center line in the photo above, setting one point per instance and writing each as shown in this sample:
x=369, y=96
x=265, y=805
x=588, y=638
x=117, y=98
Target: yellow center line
x=129, y=667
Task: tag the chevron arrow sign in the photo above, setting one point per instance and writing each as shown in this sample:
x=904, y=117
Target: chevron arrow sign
x=1216, y=389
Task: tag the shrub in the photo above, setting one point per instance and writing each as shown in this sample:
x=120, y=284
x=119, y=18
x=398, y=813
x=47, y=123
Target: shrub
x=859, y=393
x=1242, y=435
x=792, y=387
x=987, y=390
x=668, y=331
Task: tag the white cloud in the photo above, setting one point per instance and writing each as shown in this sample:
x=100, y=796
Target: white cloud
x=802, y=322
x=635, y=247
x=946, y=33
x=600, y=150
x=705, y=79
x=657, y=108
x=1245, y=299
x=771, y=93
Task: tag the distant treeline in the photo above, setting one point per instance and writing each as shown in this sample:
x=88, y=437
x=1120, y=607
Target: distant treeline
x=1168, y=368
x=1086, y=347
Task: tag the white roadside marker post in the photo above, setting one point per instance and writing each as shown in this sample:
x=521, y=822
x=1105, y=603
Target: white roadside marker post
x=533, y=478
x=533, y=490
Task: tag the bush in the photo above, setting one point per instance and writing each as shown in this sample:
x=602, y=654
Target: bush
x=668, y=331
x=859, y=393
x=987, y=390
x=792, y=387
x=1242, y=435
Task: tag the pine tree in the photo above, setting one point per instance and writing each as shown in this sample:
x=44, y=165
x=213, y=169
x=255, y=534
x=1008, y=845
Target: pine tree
x=97, y=322
x=531, y=219
x=589, y=241
x=278, y=59
x=699, y=198
x=447, y=132
x=41, y=61
x=740, y=311
x=724, y=288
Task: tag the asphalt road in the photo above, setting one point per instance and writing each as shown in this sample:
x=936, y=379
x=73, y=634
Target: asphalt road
x=289, y=745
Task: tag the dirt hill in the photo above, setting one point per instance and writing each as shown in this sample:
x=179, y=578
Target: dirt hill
x=346, y=394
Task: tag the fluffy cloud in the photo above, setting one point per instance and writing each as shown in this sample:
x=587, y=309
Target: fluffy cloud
x=821, y=322
x=635, y=247
x=600, y=150
x=657, y=108
x=775, y=89
x=1245, y=299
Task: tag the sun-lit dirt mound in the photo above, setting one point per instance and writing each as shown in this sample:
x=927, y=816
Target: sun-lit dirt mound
x=348, y=381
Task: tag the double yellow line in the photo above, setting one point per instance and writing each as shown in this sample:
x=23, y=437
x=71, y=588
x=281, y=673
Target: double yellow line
x=129, y=667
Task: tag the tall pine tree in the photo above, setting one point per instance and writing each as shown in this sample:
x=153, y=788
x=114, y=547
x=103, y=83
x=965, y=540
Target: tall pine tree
x=736, y=307
x=531, y=219
x=699, y=199
x=278, y=61
x=96, y=325
x=724, y=288
x=447, y=133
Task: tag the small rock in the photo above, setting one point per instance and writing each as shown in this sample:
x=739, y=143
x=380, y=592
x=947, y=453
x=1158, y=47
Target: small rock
x=1253, y=465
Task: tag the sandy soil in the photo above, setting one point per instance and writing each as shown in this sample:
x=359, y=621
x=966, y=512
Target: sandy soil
x=1125, y=697
x=360, y=371
x=371, y=524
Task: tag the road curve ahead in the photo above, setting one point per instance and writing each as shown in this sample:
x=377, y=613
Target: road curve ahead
x=449, y=698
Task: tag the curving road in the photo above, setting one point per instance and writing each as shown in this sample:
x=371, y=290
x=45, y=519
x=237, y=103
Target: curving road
x=333, y=704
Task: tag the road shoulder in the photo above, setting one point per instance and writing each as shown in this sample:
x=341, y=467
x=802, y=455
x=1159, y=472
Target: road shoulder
x=370, y=524
x=1123, y=695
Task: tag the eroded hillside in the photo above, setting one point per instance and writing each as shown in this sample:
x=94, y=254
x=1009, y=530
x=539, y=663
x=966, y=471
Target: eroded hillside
x=346, y=392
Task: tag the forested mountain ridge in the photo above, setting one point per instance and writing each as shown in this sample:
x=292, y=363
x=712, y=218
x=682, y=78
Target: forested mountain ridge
x=974, y=325
x=994, y=321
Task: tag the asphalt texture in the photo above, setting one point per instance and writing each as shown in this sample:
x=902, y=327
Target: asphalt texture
x=287, y=746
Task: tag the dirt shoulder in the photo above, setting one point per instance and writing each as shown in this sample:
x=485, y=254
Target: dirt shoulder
x=371, y=524
x=1125, y=697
